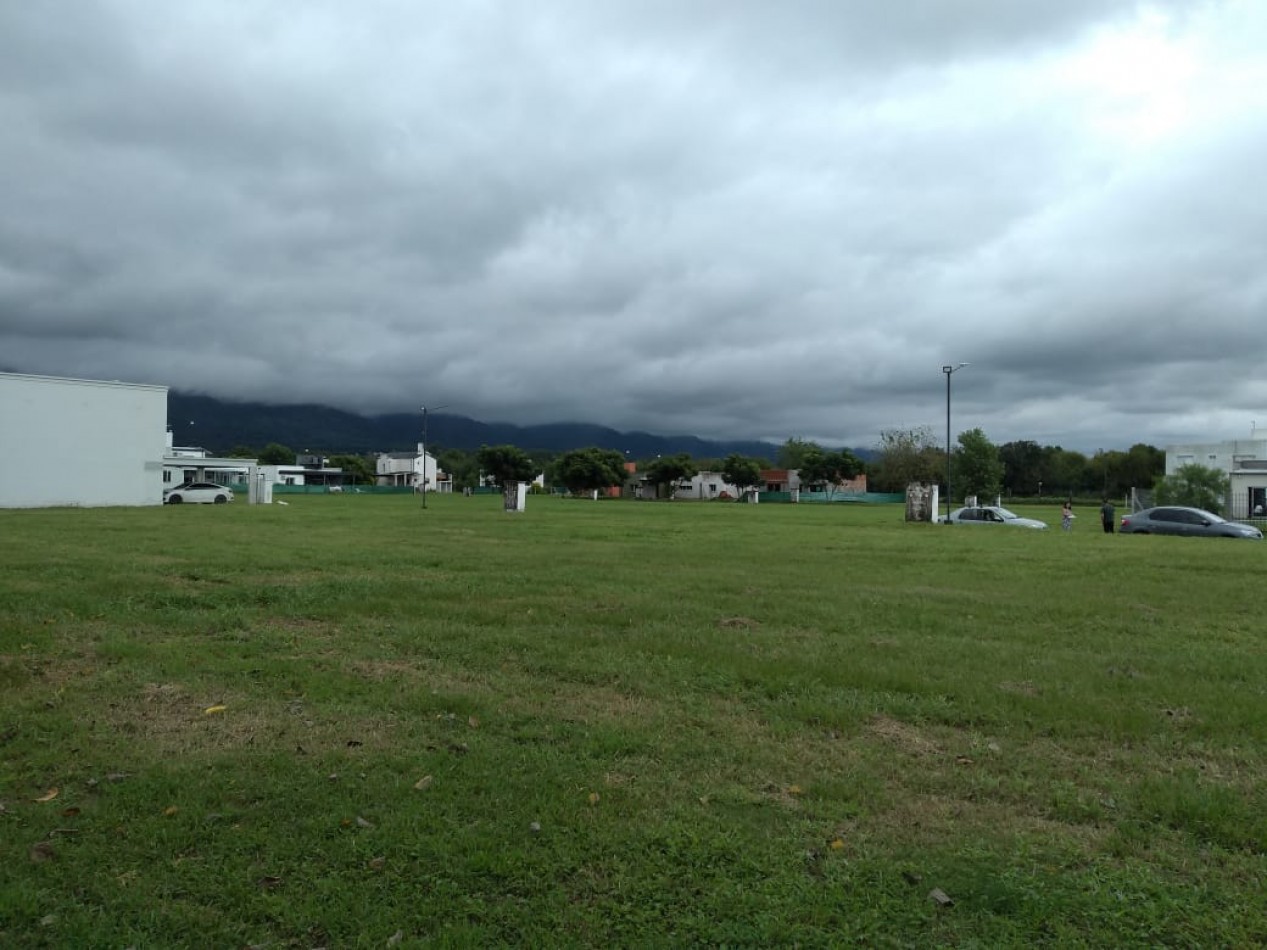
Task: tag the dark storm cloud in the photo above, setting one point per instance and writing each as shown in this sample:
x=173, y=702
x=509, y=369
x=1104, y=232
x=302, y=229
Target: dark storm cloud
x=734, y=219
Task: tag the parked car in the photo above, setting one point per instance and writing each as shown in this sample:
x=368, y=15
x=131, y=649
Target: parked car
x=207, y=493
x=1188, y=522
x=993, y=514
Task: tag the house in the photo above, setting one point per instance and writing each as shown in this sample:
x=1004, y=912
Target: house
x=705, y=485
x=789, y=480
x=188, y=463
x=80, y=442
x=307, y=470
x=1244, y=461
x=414, y=469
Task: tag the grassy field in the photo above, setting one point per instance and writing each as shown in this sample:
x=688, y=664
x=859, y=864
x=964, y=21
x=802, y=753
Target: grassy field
x=350, y=722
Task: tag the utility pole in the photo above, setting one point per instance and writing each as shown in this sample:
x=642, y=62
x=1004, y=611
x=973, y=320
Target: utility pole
x=423, y=447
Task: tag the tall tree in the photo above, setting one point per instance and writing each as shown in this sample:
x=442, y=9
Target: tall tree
x=829, y=469
x=671, y=469
x=589, y=470
x=905, y=456
x=978, y=470
x=1022, y=466
x=1141, y=467
x=357, y=469
x=1066, y=472
x=274, y=454
x=1194, y=485
x=461, y=466
x=509, y=466
x=741, y=471
x=792, y=453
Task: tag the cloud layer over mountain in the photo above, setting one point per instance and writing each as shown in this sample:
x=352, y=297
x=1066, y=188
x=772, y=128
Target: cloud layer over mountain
x=735, y=219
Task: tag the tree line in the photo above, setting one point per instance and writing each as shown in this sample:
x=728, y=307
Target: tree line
x=1023, y=468
x=902, y=456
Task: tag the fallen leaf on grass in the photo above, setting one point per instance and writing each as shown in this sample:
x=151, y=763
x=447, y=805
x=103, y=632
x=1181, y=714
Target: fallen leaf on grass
x=170, y=811
x=377, y=864
x=594, y=798
x=269, y=882
x=473, y=722
x=66, y=812
x=837, y=844
x=395, y=938
x=213, y=710
x=940, y=897
x=42, y=852
x=49, y=795
x=362, y=823
x=795, y=790
x=423, y=783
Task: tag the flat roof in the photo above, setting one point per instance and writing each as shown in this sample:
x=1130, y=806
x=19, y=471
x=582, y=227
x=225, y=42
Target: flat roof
x=64, y=380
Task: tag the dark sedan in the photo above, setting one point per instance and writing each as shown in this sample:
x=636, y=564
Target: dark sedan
x=1187, y=522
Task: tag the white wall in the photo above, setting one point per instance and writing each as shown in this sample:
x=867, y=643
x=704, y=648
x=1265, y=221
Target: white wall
x=1223, y=456
x=80, y=442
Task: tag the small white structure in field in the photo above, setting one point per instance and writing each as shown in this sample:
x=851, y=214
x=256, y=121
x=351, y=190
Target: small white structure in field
x=80, y=442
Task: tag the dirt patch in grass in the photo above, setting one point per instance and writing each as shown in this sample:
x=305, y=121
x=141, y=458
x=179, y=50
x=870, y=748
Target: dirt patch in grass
x=928, y=821
x=906, y=738
x=170, y=719
x=1021, y=688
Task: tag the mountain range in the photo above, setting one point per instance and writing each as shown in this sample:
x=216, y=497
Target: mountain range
x=219, y=426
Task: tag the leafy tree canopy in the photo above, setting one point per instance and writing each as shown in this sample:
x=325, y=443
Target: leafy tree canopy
x=978, y=469
x=670, y=469
x=905, y=456
x=792, y=453
x=1194, y=485
x=274, y=454
x=357, y=469
x=506, y=463
x=592, y=469
x=741, y=471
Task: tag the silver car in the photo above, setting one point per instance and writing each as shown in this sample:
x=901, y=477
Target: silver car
x=994, y=514
x=208, y=493
x=1187, y=522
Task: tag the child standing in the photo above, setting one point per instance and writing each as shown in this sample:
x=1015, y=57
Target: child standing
x=1066, y=516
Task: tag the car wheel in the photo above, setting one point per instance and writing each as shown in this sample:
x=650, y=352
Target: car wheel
x=221, y=499
x=174, y=500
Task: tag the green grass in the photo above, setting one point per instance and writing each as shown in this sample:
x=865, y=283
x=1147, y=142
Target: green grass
x=634, y=724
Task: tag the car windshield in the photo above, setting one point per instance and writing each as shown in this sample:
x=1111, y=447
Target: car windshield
x=1006, y=515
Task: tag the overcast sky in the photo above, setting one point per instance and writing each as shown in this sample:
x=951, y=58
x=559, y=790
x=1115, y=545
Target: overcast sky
x=719, y=217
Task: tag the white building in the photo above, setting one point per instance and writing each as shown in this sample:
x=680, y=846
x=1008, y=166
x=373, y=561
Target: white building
x=705, y=485
x=191, y=463
x=1244, y=461
x=80, y=442
x=414, y=469
x=307, y=470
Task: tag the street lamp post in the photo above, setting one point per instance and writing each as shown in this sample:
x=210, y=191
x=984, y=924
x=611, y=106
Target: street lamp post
x=423, y=447
x=948, y=370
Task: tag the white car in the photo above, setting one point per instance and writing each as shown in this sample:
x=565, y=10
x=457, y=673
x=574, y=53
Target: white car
x=205, y=493
x=993, y=514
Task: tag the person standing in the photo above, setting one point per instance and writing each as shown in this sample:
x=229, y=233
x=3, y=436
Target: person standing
x=1107, y=516
x=1066, y=516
